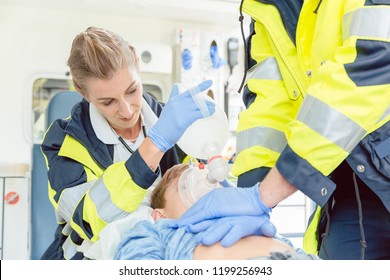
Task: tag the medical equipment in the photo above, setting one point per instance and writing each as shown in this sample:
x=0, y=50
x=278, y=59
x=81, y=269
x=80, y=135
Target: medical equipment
x=199, y=179
x=216, y=60
x=208, y=136
x=186, y=57
x=232, y=52
x=246, y=202
x=177, y=115
x=204, y=139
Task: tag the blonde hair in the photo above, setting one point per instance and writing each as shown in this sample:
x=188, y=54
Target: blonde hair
x=157, y=197
x=99, y=53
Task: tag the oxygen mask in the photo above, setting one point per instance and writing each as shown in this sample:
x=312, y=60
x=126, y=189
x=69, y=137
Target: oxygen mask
x=199, y=179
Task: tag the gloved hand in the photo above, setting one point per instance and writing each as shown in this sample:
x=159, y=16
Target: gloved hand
x=229, y=230
x=216, y=60
x=186, y=58
x=177, y=115
x=224, y=202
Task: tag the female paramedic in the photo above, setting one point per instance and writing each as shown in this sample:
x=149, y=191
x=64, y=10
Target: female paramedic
x=117, y=142
x=317, y=120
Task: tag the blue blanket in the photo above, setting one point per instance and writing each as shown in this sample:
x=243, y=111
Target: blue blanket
x=148, y=241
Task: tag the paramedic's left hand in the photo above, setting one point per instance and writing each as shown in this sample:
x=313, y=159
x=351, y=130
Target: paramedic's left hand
x=225, y=202
x=229, y=230
x=177, y=115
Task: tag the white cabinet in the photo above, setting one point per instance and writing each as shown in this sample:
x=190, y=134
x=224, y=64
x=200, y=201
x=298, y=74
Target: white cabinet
x=14, y=210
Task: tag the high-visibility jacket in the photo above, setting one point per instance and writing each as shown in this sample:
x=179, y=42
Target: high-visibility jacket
x=317, y=93
x=86, y=188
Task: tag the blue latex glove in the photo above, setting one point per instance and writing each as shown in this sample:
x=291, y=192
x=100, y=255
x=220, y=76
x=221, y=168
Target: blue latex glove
x=224, y=202
x=216, y=60
x=186, y=57
x=229, y=230
x=177, y=115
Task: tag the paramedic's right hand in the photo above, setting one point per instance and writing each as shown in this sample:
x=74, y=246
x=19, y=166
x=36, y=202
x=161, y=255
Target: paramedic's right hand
x=177, y=115
x=229, y=230
x=224, y=202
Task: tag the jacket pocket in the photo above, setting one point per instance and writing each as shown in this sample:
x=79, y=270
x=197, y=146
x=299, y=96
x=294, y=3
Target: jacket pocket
x=380, y=144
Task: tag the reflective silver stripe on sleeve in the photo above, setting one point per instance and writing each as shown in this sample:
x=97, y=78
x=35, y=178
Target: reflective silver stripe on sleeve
x=367, y=22
x=69, y=199
x=267, y=137
x=101, y=197
x=267, y=69
x=386, y=114
x=330, y=123
x=67, y=229
x=69, y=248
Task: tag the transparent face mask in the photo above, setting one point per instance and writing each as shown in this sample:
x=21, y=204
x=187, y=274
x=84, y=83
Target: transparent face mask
x=199, y=179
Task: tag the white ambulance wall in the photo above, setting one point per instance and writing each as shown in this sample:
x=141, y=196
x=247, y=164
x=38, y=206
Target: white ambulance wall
x=35, y=42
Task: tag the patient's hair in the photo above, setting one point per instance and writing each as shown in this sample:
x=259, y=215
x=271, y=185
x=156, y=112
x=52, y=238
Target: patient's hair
x=99, y=53
x=157, y=197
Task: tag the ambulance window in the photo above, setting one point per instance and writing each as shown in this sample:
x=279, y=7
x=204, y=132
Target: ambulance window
x=154, y=90
x=43, y=89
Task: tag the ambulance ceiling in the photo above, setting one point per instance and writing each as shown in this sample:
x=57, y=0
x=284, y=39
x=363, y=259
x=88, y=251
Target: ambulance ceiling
x=205, y=11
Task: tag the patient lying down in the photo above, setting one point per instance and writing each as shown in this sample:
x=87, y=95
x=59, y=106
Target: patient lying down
x=148, y=240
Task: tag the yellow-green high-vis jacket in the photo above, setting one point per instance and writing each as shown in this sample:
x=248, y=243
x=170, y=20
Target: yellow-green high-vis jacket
x=317, y=93
x=87, y=189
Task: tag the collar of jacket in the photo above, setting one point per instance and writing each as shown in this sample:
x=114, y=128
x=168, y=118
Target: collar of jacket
x=80, y=128
x=289, y=11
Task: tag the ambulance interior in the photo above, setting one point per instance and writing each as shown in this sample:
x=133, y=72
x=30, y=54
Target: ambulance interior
x=38, y=34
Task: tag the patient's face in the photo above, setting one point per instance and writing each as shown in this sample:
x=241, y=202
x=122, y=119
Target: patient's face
x=174, y=207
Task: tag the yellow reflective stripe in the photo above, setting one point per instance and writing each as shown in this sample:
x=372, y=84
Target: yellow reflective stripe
x=252, y=158
x=91, y=216
x=335, y=126
x=70, y=198
x=112, y=197
x=267, y=69
x=52, y=194
x=187, y=159
x=75, y=150
x=267, y=137
x=310, y=242
x=51, y=191
x=372, y=22
x=271, y=39
x=322, y=154
x=121, y=186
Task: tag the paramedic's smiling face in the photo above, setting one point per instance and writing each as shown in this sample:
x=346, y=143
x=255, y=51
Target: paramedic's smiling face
x=174, y=207
x=118, y=99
